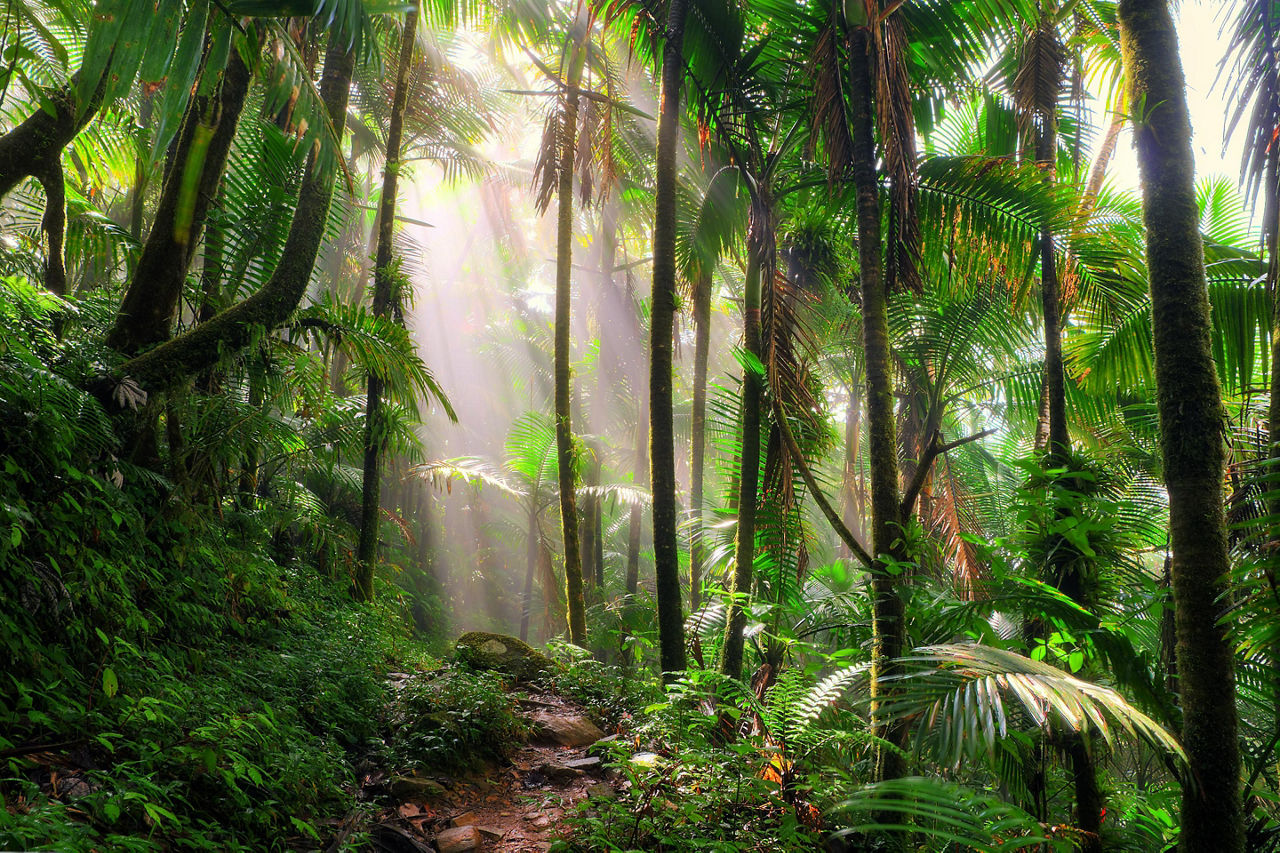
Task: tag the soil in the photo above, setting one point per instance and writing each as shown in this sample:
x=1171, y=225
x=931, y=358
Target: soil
x=518, y=808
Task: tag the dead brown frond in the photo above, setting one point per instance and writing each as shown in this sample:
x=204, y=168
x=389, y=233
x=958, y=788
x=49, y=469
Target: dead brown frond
x=1038, y=82
x=898, y=139
x=830, y=110
x=546, y=167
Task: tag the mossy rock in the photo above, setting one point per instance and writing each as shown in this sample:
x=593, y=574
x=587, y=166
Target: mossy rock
x=501, y=653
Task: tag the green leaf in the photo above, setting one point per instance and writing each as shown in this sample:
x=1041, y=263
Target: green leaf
x=110, y=684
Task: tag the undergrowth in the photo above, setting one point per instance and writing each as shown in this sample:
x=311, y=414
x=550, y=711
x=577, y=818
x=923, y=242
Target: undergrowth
x=176, y=674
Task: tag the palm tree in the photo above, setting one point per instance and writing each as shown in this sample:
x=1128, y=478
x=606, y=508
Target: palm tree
x=1191, y=426
x=662, y=456
x=231, y=330
x=384, y=275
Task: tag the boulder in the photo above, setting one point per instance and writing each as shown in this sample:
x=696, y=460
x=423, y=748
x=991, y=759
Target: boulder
x=559, y=773
x=460, y=839
x=415, y=787
x=571, y=730
x=501, y=653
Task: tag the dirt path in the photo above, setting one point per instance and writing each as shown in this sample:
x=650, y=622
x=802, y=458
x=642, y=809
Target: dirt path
x=517, y=808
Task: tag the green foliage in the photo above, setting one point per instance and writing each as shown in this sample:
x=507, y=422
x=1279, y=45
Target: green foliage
x=609, y=692
x=685, y=788
x=454, y=719
x=171, y=681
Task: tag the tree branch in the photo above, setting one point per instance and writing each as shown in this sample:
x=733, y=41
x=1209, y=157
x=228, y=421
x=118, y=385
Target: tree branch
x=231, y=330
x=26, y=149
x=845, y=534
x=932, y=452
x=54, y=223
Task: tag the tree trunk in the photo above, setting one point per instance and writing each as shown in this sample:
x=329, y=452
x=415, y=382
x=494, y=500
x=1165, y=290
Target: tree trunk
x=563, y=380
x=29, y=147
x=1189, y=404
x=231, y=330
x=1060, y=570
x=384, y=274
x=195, y=171
x=853, y=501
x=662, y=450
x=635, y=521
x=882, y=443
x=530, y=569
x=54, y=224
x=697, y=464
x=749, y=476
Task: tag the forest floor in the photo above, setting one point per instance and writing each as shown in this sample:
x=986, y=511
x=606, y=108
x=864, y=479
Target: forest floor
x=518, y=807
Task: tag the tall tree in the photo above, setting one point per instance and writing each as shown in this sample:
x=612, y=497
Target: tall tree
x=882, y=442
x=575, y=60
x=662, y=454
x=231, y=330
x=1037, y=90
x=384, y=275
x=194, y=173
x=1189, y=404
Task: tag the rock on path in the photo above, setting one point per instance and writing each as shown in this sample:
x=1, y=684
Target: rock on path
x=517, y=808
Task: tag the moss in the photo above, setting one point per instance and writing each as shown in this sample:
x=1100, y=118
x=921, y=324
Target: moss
x=501, y=653
x=1191, y=426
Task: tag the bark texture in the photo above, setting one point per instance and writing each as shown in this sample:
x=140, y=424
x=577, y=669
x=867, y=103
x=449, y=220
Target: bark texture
x=54, y=225
x=195, y=172
x=383, y=286
x=1189, y=404
x=231, y=330
x=563, y=378
x=882, y=442
x=662, y=452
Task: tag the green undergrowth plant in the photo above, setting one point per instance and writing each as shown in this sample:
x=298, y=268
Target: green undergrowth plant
x=453, y=719
x=699, y=773
x=172, y=677
x=608, y=692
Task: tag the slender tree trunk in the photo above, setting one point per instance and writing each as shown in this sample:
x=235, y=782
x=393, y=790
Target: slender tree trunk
x=1189, y=403
x=886, y=521
x=853, y=509
x=384, y=274
x=635, y=521
x=697, y=464
x=530, y=569
x=54, y=225
x=27, y=148
x=563, y=380
x=195, y=172
x=662, y=453
x=749, y=476
x=1041, y=92
x=231, y=330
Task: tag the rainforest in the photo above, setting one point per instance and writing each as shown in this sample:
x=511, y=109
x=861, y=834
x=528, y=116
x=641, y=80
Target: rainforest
x=640, y=425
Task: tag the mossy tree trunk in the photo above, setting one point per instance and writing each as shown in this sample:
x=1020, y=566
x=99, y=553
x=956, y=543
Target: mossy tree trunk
x=697, y=463
x=662, y=451
x=744, y=550
x=384, y=275
x=199, y=349
x=54, y=224
x=563, y=378
x=29, y=147
x=194, y=173
x=1189, y=404
x=882, y=443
